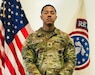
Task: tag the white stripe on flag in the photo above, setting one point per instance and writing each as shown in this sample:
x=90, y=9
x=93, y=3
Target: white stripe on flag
x=11, y=58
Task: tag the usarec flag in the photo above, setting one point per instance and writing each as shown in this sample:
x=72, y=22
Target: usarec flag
x=80, y=36
x=14, y=29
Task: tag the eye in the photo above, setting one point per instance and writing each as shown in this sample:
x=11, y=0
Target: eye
x=45, y=12
x=52, y=12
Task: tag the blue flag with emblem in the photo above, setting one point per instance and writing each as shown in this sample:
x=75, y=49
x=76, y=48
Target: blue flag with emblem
x=80, y=37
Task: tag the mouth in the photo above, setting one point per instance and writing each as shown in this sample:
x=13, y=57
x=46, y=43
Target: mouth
x=49, y=20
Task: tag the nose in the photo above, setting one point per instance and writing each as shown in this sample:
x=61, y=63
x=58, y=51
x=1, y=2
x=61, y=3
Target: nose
x=49, y=14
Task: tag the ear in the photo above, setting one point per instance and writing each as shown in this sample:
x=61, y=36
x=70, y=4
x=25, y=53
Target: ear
x=41, y=16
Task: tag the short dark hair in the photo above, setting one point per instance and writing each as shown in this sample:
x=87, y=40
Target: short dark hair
x=46, y=6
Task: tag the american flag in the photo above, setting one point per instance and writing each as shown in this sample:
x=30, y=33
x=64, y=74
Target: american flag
x=14, y=29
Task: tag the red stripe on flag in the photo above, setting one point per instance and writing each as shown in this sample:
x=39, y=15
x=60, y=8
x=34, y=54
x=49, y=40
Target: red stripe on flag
x=1, y=47
x=0, y=63
x=10, y=66
x=78, y=32
x=19, y=44
x=1, y=39
x=2, y=58
x=20, y=67
x=24, y=31
x=83, y=66
x=0, y=71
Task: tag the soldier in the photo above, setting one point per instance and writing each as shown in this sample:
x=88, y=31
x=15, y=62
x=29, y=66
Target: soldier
x=49, y=51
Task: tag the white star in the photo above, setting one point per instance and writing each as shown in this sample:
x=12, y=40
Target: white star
x=86, y=43
x=12, y=5
x=16, y=13
x=12, y=31
x=9, y=16
x=77, y=38
x=17, y=7
x=8, y=30
x=9, y=9
x=8, y=23
x=4, y=2
x=21, y=15
x=12, y=12
x=15, y=27
x=82, y=40
x=87, y=48
x=8, y=37
x=87, y=55
x=21, y=22
x=17, y=0
x=83, y=59
x=16, y=20
x=9, y=3
x=78, y=62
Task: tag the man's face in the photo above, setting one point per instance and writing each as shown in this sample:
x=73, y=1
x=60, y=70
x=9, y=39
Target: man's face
x=48, y=15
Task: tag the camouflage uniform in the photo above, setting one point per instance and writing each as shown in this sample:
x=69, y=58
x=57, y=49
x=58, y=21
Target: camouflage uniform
x=49, y=53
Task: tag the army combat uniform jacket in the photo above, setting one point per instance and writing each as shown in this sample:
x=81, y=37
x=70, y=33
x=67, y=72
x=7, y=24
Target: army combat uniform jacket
x=49, y=53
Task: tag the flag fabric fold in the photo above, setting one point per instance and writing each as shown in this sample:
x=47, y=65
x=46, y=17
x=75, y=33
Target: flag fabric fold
x=14, y=29
x=80, y=36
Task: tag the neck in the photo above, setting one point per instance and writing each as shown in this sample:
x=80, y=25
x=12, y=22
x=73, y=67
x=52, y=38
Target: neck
x=48, y=27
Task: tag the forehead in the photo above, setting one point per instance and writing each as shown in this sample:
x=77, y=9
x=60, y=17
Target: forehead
x=48, y=8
